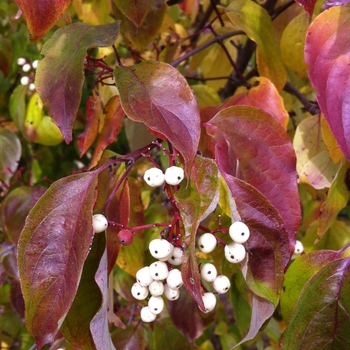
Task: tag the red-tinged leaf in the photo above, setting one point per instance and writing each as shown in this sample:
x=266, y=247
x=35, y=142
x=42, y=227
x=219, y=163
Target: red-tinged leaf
x=156, y=94
x=297, y=275
x=192, y=326
x=51, y=252
x=263, y=95
x=10, y=154
x=60, y=77
x=268, y=246
x=99, y=324
x=114, y=116
x=87, y=302
x=258, y=147
x=321, y=317
x=15, y=208
x=16, y=298
x=129, y=338
x=308, y=5
x=93, y=116
x=327, y=52
x=41, y=15
x=135, y=10
x=196, y=201
x=6, y=55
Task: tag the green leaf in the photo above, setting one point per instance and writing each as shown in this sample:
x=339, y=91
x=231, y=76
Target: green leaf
x=60, y=76
x=52, y=250
x=196, y=201
x=256, y=23
x=10, y=154
x=17, y=107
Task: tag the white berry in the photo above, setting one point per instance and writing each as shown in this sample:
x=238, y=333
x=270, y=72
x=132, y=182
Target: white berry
x=154, y=177
x=26, y=67
x=143, y=276
x=160, y=248
x=174, y=279
x=156, y=288
x=207, y=243
x=208, y=272
x=235, y=252
x=159, y=270
x=299, y=248
x=209, y=300
x=35, y=64
x=31, y=86
x=171, y=294
x=147, y=315
x=24, y=80
x=239, y=232
x=156, y=305
x=139, y=292
x=176, y=258
x=174, y=175
x=99, y=223
x=221, y=284
x=21, y=61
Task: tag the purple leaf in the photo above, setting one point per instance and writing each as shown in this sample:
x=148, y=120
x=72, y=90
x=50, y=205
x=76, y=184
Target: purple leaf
x=156, y=94
x=60, y=76
x=327, y=51
x=51, y=252
x=254, y=147
x=196, y=201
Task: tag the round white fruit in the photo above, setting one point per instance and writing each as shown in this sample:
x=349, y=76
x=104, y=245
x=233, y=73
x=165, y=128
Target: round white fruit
x=207, y=243
x=24, y=80
x=143, y=276
x=139, y=292
x=174, y=175
x=221, y=284
x=160, y=248
x=156, y=288
x=159, y=270
x=235, y=252
x=156, y=305
x=154, y=177
x=147, y=315
x=239, y=232
x=21, y=61
x=99, y=223
x=176, y=257
x=174, y=279
x=209, y=300
x=171, y=294
x=299, y=248
x=35, y=64
x=26, y=67
x=208, y=272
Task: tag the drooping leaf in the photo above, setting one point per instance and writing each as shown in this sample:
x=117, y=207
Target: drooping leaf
x=129, y=338
x=327, y=50
x=314, y=165
x=196, y=201
x=17, y=107
x=93, y=117
x=252, y=146
x=59, y=77
x=6, y=55
x=308, y=6
x=51, y=252
x=41, y=16
x=322, y=314
x=114, y=116
x=156, y=94
x=254, y=20
x=135, y=10
x=15, y=208
x=263, y=95
x=297, y=275
x=93, y=12
x=10, y=154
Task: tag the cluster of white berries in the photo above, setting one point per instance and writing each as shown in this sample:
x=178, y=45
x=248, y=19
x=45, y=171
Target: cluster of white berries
x=155, y=177
x=150, y=279
x=26, y=68
x=298, y=249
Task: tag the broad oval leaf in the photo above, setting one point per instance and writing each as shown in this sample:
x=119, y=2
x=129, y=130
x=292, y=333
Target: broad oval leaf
x=17, y=107
x=156, y=94
x=254, y=20
x=10, y=154
x=41, y=16
x=51, y=252
x=196, y=201
x=327, y=52
x=252, y=146
x=322, y=316
x=60, y=77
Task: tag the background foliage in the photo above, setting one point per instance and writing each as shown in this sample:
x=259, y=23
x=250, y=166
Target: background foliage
x=250, y=98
